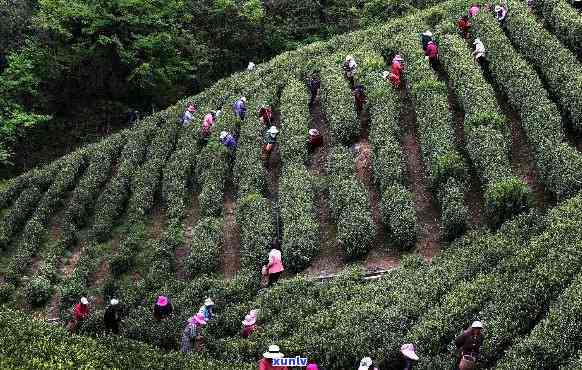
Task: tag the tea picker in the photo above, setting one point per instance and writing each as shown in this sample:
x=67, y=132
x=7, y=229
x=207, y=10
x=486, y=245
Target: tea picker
x=266, y=363
x=469, y=343
x=350, y=66
x=191, y=332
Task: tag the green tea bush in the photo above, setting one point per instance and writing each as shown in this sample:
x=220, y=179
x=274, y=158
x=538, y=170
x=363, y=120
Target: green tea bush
x=37, y=291
x=399, y=215
x=564, y=21
x=207, y=238
x=556, y=64
x=18, y=214
x=295, y=121
x=254, y=217
x=212, y=189
x=455, y=213
x=300, y=227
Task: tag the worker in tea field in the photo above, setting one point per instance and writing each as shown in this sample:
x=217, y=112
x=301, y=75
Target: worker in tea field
x=265, y=114
x=474, y=10
x=188, y=115
x=266, y=362
x=500, y=12
x=249, y=324
x=425, y=38
x=409, y=356
x=312, y=364
x=479, y=52
x=367, y=364
x=228, y=141
x=469, y=343
x=274, y=267
x=80, y=313
x=314, y=140
x=269, y=142
x=350, y=66
x=464, y=25
x=207, y=310
x=240, y=108
x=396, y=69
x=207, y=123
x=359, y=93
x=191, y=333
x=162, y=308
x=314, y=83
x=112, y=316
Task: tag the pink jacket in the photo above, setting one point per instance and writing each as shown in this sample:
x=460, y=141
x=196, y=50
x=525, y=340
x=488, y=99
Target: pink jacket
x=474, y=10
x=208, y=121
x=275, y=263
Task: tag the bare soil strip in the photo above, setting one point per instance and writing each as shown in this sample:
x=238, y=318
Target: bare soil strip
x=230, y=253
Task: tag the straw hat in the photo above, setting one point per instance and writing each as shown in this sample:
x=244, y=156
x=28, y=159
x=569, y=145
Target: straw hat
x=385, y=74
x=497, y=8
x=208, y=302
x=398, y=58
x=254, y=312
x=223, y=135
x=249, y=320
x=251, y=66
x=162, y=301
x=114, y=302
x=273, y=130
x=313, y=132
x=273, y=352
x=197, y=319
x=365, y=363
x=409, y=351
x=477, y=325
x=477, y=41
x=349, y=57
x=84, y=301
x=427, y=33
x=243, y=99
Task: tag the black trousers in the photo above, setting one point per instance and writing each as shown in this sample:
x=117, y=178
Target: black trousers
x=273, y=278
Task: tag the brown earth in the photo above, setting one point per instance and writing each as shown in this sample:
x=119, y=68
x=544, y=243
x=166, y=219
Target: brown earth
x=183, y=252
x=230, y=253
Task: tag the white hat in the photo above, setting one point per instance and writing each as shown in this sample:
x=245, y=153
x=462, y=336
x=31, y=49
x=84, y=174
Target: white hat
x=427, y=33
x=409, y=351
x=243, y=99
x=349, y=57
x=477, y=40
x=313, y=132
x=398, y=58
x=497, y=8
x=114, y=302
x=208, y=302
x=84, y=300
x=477, y=325
x=249, y=320
x=365, y=363
x=273, y=352
x=254, y=312
x=385, y=74
x=251, y=66
x=223, y=135
x=273, y=130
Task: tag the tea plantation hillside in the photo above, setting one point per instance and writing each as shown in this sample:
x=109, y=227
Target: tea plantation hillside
x=461, y=188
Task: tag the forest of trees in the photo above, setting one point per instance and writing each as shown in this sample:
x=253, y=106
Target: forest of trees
x=70, y=70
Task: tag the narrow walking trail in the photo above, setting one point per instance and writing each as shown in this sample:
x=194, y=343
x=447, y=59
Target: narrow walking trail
x=381, y=256
x=183, y=252
x=273, y=172
x=230, y=252
x=427, y=214
x=330, y=258
x=474, y=199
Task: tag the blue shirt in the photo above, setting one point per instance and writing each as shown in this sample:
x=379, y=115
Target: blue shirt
x=230, y=142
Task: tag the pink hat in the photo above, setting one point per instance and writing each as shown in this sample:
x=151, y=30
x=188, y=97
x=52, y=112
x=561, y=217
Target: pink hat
x=162, y=301
x=249, y=320
x=197, y=319
x=409, y=351
x=398, y=58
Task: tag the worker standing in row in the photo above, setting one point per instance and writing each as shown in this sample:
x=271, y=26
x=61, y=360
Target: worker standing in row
x=350, y=67
x=469, y=343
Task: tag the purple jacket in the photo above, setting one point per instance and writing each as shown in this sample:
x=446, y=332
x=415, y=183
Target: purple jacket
x=239, y=107
x=229, y=141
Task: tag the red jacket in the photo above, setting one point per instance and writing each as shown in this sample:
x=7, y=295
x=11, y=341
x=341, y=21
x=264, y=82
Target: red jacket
x=80, y=312
x=432, y=51
x=397, y=68
x=464, y=25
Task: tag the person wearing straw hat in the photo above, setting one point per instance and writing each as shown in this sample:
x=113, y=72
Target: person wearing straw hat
x=500, y=12
x=188, y=115
x=266, y=362
x=269, y=141
x=469, y=343
x=80, y=313
x=315, y=139
x=228, y=140
x=162, y=308
x=367, y=364
x=409, y=356
x=207, y=309
x=191, y=332
x=112, y=316
x=350, y=66
x=240, y=108
x=425, y=38
x=249, y=324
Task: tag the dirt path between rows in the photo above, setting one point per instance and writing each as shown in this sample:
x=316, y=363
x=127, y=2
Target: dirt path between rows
x=474, y=199
x=330, y=258
x=427, y=214
x=230, y=253
x=381, y=256
x=273, y=171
